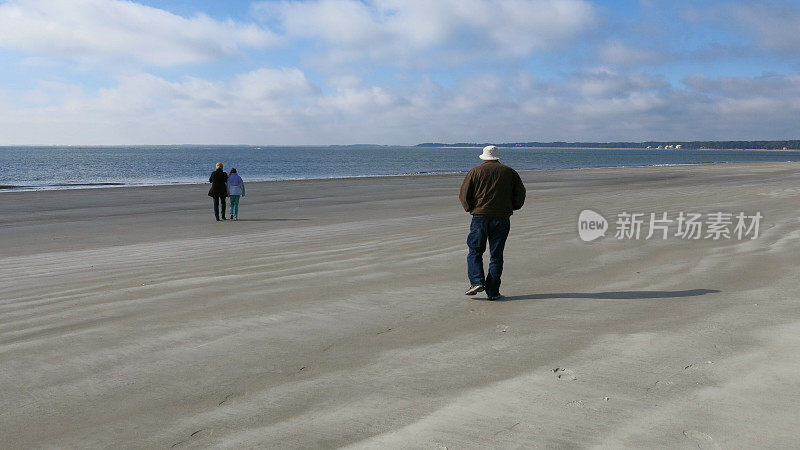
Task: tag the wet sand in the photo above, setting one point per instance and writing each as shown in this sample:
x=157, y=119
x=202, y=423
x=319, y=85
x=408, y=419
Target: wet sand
x=332, y=315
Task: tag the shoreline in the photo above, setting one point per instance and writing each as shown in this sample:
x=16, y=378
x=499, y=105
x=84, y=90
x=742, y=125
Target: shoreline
x=98, y=175
x=640, y=148
x=113, y=184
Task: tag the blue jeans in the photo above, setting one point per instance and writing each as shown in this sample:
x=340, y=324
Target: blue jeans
x=495, y=230
x=234, y=206
x=217, y=201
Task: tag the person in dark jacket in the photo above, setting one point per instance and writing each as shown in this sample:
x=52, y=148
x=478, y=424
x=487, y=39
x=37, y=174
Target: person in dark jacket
x=218, y=190
x=491, y=192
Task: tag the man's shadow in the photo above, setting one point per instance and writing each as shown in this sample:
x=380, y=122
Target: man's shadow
x=615, y=295
x=268, y=220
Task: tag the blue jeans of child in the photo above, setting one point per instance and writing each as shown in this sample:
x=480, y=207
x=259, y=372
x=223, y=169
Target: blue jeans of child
x=495, y=231
x=234, y=206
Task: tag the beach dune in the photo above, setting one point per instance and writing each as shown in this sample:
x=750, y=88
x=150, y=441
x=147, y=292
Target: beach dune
x=332, y=315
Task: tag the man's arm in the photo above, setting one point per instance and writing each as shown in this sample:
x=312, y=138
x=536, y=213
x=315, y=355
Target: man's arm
x=467, y=194
x=518, y=196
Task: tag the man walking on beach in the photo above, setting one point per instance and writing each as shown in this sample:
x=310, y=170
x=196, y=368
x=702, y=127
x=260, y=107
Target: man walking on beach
x=491, y=192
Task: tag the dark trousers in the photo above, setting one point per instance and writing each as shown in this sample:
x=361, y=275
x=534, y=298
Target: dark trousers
x=495, y=230
x=217, y=201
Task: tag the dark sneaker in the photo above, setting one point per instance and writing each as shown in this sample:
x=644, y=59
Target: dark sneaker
x=494, y=297
x=474, y=289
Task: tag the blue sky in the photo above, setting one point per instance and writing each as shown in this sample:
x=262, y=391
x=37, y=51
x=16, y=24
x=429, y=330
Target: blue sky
x=308, y=72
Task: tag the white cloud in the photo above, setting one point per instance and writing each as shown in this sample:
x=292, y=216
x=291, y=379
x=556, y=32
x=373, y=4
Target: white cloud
x=281, y=106
x=358, y=101
x=749, y=97
x=116, y=31
x=607, y=83
x=620, y=54
x=399, y=30
x=265, y=84
x=773, y=24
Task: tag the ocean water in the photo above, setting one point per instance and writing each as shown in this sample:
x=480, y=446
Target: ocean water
x=37, y=168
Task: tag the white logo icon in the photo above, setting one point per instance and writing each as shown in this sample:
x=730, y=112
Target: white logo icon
x=591, y=225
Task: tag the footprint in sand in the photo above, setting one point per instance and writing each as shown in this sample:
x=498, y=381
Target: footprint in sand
x=660, y=386
x=199, y=434
x=590, y=404
x=564, y=374
x=701, y=439
x=697, y=364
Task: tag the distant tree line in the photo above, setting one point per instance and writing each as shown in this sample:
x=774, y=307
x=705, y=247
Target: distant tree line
x=770, y=145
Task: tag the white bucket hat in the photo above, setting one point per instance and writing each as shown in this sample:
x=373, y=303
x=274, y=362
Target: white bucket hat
x=489, y=153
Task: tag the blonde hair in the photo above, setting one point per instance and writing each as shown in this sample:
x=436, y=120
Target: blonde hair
x=219, y=165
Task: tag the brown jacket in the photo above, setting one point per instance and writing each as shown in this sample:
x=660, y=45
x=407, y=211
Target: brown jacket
x=492, y=189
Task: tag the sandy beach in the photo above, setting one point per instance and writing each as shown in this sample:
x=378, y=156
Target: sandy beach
x=332, y=315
